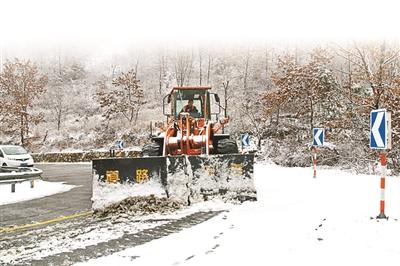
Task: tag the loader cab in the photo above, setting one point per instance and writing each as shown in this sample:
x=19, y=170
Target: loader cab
x=198, y=103
x=180, y=96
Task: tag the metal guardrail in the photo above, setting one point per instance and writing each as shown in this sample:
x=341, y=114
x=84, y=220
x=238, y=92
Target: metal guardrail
x=11, y=173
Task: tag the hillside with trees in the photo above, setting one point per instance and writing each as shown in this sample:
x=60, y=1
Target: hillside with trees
x=63, y=101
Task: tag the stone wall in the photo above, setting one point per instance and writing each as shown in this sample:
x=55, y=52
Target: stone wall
x=86, y=156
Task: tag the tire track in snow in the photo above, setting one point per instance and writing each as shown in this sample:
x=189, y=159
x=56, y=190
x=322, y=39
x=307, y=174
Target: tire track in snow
x=124, y=242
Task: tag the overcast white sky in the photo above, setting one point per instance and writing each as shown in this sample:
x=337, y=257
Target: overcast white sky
x=119, y=22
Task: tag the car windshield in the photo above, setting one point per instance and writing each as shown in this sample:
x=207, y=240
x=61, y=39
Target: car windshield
x=14, y=150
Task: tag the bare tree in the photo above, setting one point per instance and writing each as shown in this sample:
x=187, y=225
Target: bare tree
x=183, y=68
x=58, y=105
x=126, y=98
x=226, y=88
x=20, y=84
x=137, y=66
x=113, y=70
x=246, y=70
x=303, y=88
x=227, y=73
x=255, y=113
x=210, y=59
x=200, y=67
x=162, y=69
x=373, y=80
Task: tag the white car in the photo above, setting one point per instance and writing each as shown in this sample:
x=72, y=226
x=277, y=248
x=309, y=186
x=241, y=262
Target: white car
x=15, y=156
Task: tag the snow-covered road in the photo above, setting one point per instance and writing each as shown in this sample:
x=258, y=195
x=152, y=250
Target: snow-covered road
x=297, y=220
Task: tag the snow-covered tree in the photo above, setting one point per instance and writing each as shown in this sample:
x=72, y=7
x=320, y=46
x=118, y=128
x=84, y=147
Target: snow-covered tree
x=125, y=98
x=20, y=85
x=303, y=90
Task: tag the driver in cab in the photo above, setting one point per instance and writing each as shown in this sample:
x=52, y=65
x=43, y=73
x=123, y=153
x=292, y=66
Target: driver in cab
x=190, y=108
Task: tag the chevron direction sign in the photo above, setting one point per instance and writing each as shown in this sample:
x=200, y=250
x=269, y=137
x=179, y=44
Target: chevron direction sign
x=245, y=139
x=119, y=144
x=380, y=130
x=318, y=137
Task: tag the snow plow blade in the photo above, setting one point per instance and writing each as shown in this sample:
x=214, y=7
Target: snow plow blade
x=188, y=179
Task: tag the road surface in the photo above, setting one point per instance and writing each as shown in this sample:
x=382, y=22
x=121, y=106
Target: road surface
x=77, y=200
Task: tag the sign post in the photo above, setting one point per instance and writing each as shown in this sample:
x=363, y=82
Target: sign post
x=318, y=141
x=315, y=161
x=383, y=178
x=380, y=139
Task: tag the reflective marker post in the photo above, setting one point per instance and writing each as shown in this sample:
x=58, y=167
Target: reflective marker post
x=380, y=139
x=383, y=177
x=318, y=141
x=315, y=161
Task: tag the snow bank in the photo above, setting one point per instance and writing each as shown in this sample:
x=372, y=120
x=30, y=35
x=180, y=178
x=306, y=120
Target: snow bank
x=24, y=192
x=219, y=180
x=104, y=194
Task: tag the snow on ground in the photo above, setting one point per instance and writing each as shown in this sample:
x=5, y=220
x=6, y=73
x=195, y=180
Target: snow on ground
x=24, y=192
x=297, y=220
x=47, y=244
x=105, y=194
x=79, y=234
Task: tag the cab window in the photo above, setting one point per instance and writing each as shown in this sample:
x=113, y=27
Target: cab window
x=182, y=99
x=180, y=104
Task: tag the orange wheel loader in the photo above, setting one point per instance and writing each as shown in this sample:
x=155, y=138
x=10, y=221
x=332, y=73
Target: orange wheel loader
x=190, y=158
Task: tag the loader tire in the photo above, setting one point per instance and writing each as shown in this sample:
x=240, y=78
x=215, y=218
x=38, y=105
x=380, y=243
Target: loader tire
x=151, y=149
x=227, y=146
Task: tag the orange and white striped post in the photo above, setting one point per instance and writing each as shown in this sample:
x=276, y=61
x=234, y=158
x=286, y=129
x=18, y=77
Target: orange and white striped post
x=383, y=177
x=315, y=161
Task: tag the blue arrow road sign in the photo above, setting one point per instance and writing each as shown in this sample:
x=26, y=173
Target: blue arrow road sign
x=318, y=137
x=379, y=132
x=119, y=144
x=245, y=139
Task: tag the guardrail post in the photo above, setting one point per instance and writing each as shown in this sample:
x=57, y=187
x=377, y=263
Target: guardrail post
x=13, y=188
x=32, y=183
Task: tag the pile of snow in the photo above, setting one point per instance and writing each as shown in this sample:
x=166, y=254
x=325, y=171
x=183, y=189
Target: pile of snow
x=105, y=194
x=297, y=220
x=24, y=192
x=141, y=205
x=217, y=179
